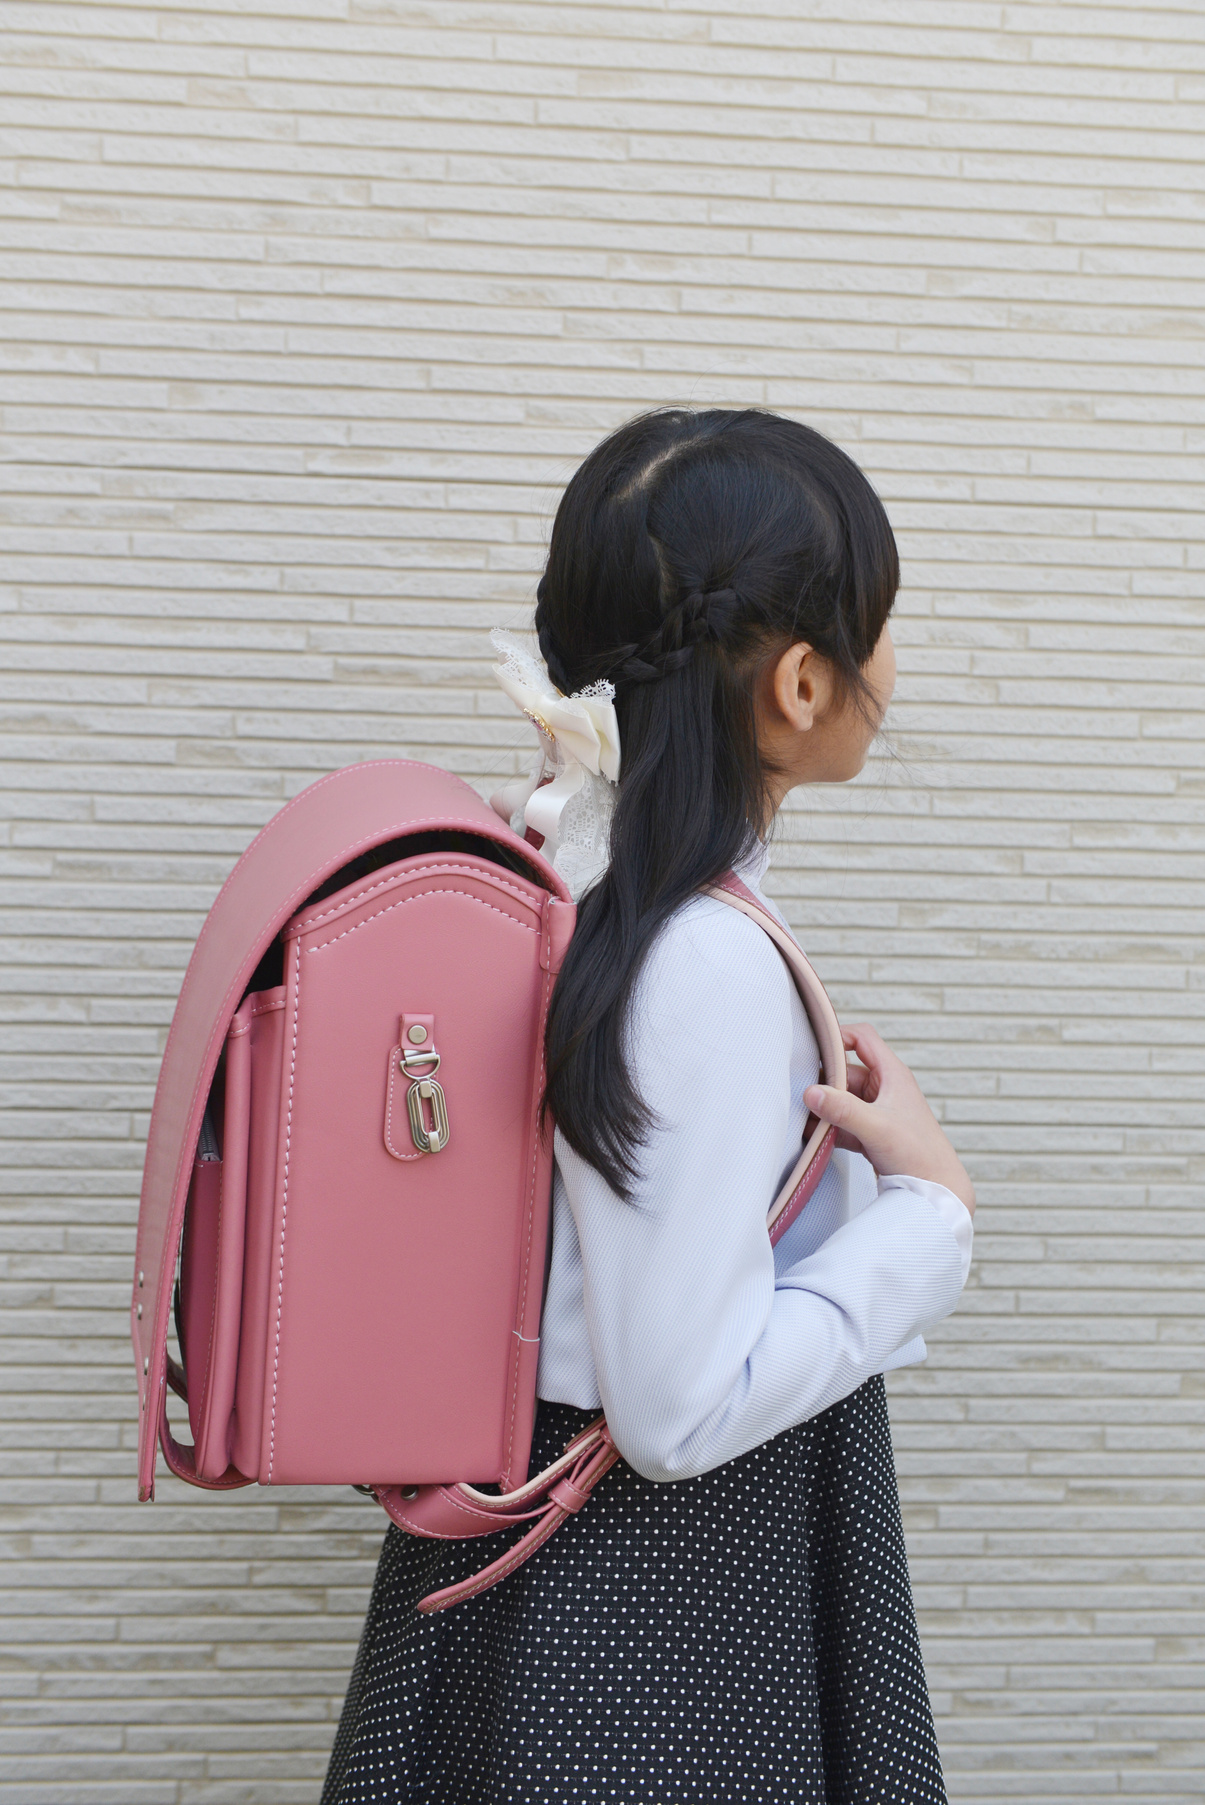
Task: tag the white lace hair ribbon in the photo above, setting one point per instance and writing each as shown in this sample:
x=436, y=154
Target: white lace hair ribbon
x=578, y=751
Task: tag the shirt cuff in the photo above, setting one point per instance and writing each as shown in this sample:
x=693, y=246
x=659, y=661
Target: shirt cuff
x=952, y=1210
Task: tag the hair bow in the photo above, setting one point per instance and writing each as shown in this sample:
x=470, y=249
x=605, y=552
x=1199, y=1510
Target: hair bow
x=578, y=764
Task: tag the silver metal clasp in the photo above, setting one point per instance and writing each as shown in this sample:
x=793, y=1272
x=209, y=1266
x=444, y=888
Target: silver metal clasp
x=428, y=1136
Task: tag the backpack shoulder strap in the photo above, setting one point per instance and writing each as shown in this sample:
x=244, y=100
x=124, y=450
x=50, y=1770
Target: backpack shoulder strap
x=818, y=1138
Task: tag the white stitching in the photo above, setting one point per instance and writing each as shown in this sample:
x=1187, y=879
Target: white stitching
x=306, y=923
x=393, y=1051
x=284, y=1211
x=213, y=1315
x=416, y=897
x=545, y=1000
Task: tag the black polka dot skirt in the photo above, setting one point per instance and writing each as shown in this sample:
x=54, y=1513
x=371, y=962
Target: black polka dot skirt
x=747, y=1637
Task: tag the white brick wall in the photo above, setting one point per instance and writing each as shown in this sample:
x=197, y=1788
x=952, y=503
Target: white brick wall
x=309, y=308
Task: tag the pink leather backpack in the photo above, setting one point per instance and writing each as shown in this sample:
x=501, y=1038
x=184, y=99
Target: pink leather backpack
x=347, y=1188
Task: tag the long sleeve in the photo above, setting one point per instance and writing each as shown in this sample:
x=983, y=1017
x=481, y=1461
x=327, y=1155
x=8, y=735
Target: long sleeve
x=702, y=1344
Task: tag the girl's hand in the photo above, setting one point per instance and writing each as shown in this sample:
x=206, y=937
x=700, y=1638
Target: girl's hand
x=884, y=1115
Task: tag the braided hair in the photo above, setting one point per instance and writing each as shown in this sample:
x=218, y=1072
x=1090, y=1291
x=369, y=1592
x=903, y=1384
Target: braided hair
x=688, y=551
x=699, y=616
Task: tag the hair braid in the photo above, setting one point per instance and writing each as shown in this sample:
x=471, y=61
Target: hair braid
x=548, y=646
x=699, y=616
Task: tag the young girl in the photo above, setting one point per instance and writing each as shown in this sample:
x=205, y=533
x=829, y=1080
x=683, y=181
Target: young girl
x=730, y=1619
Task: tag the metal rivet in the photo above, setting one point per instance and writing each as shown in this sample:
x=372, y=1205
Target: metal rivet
x=140, y=1312
x=146, y=1364
x=410, y=1491
x=140, y=1279
x=417, y=1034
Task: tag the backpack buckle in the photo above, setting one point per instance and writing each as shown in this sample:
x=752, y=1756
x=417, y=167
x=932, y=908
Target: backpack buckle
x=428, y=1136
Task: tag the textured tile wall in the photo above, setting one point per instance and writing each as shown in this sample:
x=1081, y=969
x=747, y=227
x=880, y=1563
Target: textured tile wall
x=309, y=308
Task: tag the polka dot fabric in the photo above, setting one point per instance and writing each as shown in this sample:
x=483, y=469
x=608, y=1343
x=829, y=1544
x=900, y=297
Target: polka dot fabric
x=747, y=1637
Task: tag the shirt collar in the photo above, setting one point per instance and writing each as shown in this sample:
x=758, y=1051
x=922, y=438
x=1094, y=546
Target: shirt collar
x=754, y=866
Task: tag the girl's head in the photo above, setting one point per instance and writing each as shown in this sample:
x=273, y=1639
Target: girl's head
x=731, y=572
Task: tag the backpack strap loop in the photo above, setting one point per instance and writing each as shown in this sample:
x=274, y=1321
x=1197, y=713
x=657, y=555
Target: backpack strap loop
x=590, y=1456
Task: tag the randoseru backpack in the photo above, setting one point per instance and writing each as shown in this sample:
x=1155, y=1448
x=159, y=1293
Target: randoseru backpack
x=347, y=1188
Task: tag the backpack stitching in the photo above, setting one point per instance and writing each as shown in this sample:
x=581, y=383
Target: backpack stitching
x=312, y=921
x=284, y=1212
x=389, y=1112
x=416, y=897
x=545, y=991
x=213, y=1315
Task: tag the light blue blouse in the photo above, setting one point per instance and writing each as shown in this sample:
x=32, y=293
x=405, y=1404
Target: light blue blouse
x=673, y=1311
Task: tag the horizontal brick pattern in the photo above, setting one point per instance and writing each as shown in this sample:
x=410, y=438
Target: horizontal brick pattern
x=310, y=306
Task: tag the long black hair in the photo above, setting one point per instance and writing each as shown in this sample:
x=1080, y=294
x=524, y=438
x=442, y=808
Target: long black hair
x=688, y=550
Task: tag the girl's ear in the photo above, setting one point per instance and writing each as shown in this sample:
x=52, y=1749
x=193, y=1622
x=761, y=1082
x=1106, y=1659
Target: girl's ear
x=798, y=688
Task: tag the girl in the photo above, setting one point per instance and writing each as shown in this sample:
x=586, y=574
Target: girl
x=730, y=1619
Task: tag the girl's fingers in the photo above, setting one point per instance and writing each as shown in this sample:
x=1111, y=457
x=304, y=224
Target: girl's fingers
x=884, y=1115
x=866, y=1042
x=857, y=1077
x=841, y=1109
